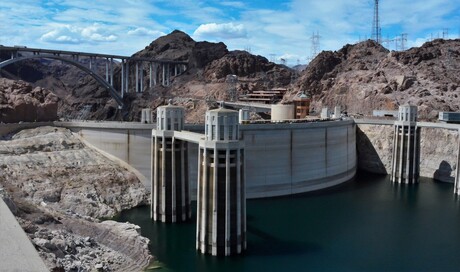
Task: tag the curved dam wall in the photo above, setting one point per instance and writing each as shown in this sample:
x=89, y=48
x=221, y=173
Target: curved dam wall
x=281, y=159
x=284, y=159
x=439, y=147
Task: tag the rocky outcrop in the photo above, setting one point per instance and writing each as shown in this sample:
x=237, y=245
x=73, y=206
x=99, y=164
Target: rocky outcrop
x=19, y=101
x=204, y=81
x=366, y=76
x=438, y=154
x=374, y=144
x=438, y=151
x=59, y=187
x=204, y=53
x=175, y=46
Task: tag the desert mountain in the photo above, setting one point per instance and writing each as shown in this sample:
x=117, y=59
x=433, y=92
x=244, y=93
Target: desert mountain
x=366, y=76
x=359, y=78
x=198, y=88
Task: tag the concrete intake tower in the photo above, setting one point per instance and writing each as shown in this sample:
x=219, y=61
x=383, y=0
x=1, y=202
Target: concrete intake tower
x=406, y=146
x=170, y=182
x=221, y=196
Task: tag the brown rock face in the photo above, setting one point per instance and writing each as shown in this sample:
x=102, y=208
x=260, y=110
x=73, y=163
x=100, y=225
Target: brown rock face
x=438, y=155
x=19, y=101
x=205, y=52
x=366, y=76
x=81, y=97
x=175, y=46
x=240, y=63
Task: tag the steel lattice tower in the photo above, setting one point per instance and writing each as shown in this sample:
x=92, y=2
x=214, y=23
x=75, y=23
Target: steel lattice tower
x=376, y=30
x=315, y=45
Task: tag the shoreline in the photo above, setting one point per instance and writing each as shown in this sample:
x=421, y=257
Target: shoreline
x=60, y=188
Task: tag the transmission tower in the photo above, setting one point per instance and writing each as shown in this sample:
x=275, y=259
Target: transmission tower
x=403, y=41
x=400, y=42
x=376, y=30
x=315, y=46
x=445, y=33
x=232, y=81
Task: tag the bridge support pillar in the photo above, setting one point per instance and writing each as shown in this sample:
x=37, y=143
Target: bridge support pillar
x=221, y=201
x=168, y=74
x=406, y=147
x=127, y=76
x=171, y=192
x=91, y=63
x=111, y=71
x=137, y=77
x=150, y=75
x=155, y=74
x=122, y=78
x=163, y=74
x=107, y=70
x=142, y=79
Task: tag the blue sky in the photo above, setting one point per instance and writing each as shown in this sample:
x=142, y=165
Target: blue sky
x=275, y=29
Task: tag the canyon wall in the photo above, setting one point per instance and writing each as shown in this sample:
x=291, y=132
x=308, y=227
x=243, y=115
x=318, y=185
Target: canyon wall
x=438, y=150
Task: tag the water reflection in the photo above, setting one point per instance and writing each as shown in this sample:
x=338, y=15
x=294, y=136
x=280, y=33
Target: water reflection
x=370, y=224
x=406, y=193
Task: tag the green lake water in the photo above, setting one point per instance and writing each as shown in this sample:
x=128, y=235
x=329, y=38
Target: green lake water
x=367, y=224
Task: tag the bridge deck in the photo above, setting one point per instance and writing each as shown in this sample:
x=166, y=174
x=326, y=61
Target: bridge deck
x=84, y=54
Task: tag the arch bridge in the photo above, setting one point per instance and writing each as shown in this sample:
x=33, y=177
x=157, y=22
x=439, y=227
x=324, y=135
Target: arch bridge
x=159, y=71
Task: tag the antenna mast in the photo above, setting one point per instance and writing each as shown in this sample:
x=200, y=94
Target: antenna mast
x=376, y=30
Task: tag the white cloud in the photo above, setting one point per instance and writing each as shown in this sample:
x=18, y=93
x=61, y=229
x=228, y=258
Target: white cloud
x=70, y=34
x=222, y=31
x=278, y=27
x=61, y=34
x=142, y=31
x=97, y=33
x=233, y=4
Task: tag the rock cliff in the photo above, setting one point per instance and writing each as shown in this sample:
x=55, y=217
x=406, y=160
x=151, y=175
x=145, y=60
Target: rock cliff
x=58, y=188
x=366, y=76
x=438, y=151
x=19, y=101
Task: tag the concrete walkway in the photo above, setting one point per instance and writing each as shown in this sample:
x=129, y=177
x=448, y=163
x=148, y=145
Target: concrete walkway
x=16, y=251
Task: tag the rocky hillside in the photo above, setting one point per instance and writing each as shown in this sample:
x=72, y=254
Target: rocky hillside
x=76, y=91
x=19, y=101
x=204, y=82
x=206, y=79
x=359, y=78
x=366, y=76
x=58, y=188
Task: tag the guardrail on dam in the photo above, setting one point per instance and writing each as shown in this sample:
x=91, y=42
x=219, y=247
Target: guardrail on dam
x=281, y=159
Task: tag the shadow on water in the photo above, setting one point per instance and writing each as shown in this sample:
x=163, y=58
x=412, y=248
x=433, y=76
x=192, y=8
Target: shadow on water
x=270, y=245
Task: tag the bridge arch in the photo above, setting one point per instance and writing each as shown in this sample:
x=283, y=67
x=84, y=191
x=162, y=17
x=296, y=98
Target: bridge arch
x=98, y=78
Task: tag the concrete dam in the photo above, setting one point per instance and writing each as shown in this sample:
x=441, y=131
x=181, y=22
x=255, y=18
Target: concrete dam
x=281, y=158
